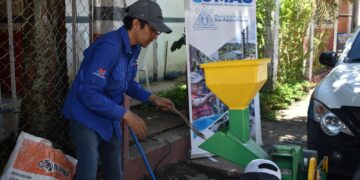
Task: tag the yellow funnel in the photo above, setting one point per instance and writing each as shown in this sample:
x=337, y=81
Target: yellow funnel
x=236, y=82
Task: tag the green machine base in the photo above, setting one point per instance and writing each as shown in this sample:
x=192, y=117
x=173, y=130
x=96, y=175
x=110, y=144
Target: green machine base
x=230, y=148
x=234, y=142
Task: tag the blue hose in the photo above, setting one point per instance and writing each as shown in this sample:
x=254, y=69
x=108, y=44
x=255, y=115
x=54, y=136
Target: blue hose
x=148, y=167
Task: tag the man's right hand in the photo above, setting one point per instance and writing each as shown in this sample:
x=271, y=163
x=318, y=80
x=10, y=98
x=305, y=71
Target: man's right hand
x=136, y=123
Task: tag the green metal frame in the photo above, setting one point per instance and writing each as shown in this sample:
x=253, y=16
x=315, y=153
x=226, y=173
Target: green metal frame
x=290, y=160
x=234, y=143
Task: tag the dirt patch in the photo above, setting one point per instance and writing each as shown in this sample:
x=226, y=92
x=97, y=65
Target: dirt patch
x=284, y=131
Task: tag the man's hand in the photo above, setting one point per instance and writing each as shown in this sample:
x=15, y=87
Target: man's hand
x=164, y=103
x=136, y=123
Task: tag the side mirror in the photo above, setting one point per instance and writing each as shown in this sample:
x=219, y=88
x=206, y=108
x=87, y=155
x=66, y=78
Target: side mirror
x=328, y=58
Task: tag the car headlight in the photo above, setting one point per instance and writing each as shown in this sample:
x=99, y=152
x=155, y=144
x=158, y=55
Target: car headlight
x=330, y=124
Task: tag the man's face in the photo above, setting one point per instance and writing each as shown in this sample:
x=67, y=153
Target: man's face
x=146, y=35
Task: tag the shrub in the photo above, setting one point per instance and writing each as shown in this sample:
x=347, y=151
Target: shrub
x=177, y=94
x=281, y=96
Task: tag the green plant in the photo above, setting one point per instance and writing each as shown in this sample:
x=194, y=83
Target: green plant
x=177, y=94
x=327, y=11
x=283, y=95
x=264, y=9
x=320, y=46
x=295, y=17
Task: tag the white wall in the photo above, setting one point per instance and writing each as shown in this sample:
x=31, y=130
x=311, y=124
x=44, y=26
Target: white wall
x=176, y=61
x=173, y=12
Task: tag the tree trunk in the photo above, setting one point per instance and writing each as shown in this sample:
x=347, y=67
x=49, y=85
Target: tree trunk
x=45, y=70
x=276, y=56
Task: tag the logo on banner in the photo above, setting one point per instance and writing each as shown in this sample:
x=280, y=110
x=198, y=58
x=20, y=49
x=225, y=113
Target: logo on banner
x=205, y=20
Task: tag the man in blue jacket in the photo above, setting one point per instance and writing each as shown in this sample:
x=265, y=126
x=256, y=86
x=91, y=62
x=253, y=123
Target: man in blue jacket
x=94, y=104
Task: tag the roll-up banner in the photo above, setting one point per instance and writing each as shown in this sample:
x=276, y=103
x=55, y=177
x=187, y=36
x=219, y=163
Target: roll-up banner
x=217, y=30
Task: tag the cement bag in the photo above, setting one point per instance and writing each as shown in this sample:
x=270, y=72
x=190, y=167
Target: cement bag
x=35, y=158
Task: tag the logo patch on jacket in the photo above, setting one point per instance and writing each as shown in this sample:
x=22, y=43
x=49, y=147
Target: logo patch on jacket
x=100, y=72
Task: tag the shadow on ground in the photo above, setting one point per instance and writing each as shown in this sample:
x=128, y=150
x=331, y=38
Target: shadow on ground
x=185, y=170
x=282, y=131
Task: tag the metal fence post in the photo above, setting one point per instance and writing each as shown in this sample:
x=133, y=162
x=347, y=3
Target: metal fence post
x=74, y=30
x=11, y=54
x=336, y=21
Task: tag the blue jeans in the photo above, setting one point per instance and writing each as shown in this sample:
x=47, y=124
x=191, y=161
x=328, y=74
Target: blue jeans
x=90, y=148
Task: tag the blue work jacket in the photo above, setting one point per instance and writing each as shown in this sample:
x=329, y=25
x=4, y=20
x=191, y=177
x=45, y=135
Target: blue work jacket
x=107, y=73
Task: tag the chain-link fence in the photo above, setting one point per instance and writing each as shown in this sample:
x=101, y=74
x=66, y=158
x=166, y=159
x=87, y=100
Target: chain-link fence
x=41, y=46
x=324, y=21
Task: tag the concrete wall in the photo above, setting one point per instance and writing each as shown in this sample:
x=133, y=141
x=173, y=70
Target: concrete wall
x=155, y=60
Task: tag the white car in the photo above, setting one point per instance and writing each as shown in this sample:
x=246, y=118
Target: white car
x=333, y=125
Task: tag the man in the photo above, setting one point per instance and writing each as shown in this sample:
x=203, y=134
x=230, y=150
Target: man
x=94, y=104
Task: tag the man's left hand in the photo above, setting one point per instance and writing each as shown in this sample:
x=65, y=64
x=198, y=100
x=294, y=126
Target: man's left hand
x=165, y=104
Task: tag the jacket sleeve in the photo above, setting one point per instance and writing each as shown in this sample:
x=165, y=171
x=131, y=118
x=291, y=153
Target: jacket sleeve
x=94, y=79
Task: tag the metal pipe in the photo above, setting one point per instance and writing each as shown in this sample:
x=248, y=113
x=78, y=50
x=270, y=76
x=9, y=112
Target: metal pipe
x=155, y=59
x=336, y=21
x=74, y=29
x=91, y=20
x=11, y=54
x=243, y=43
x=147, y=164
x=165, y=59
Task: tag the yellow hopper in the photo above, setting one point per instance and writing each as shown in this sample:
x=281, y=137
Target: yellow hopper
x=235, y=83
